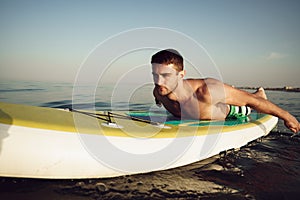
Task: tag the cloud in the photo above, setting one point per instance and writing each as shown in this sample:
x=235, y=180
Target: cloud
x=275, y=56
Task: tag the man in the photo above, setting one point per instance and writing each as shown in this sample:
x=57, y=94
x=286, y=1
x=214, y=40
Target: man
x=205, y=99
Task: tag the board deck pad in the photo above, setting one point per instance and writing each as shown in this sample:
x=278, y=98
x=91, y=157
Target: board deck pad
x=168, y=119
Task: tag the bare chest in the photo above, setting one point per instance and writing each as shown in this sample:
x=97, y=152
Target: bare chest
x=193, y=108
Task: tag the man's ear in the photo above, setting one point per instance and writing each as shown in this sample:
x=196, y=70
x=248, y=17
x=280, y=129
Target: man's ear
x=182, y=73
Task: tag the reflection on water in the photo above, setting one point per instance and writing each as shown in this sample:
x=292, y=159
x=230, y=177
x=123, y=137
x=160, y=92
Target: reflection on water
x=267, y=169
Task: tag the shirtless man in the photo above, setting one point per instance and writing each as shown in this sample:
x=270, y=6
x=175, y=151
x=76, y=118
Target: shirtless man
x=205, y=99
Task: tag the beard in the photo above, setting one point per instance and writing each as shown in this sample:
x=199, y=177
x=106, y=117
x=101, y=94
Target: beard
x=162, y=90
x=165, y=91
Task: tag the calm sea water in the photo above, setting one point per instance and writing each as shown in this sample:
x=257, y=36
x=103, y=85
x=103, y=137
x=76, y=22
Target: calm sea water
x=265, y=169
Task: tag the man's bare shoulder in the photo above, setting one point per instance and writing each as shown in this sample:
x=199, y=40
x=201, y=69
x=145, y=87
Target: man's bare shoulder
x=201, y=85
x=196, y=83
x=205, y=87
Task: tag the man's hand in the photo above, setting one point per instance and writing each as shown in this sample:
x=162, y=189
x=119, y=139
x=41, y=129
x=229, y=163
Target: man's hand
x=292, y=124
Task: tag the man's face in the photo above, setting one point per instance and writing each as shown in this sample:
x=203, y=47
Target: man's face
x=165, y=78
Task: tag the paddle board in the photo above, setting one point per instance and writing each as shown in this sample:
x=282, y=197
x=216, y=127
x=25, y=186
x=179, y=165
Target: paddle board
x=39, y=142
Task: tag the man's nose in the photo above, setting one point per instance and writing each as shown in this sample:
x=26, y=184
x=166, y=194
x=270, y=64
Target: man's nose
x=159, y=80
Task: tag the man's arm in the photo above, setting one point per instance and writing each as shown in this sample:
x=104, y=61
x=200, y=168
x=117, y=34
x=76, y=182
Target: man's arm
x=238, y=97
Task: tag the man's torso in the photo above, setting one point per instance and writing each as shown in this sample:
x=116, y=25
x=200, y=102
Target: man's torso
x=197, y=106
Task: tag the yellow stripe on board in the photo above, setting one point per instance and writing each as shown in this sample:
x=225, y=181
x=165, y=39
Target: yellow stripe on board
x=36, y=117
x=60, y=120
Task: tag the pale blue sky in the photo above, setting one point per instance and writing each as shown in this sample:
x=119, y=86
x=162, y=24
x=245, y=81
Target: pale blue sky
x=252, y=42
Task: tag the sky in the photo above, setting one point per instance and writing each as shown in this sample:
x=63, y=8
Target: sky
x=252, y=43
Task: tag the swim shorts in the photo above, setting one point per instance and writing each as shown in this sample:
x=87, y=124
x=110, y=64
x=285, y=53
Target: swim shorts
x=238, y=111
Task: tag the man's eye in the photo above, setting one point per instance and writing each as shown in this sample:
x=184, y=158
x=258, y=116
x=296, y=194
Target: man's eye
x=155, y=75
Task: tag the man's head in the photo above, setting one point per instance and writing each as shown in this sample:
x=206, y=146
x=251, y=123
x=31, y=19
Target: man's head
x=167, y=70
x=168, y=56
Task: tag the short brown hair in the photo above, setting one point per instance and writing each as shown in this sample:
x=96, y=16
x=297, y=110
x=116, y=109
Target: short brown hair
x=168, y=56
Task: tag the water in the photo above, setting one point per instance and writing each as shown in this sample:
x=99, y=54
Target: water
x=265, y=169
